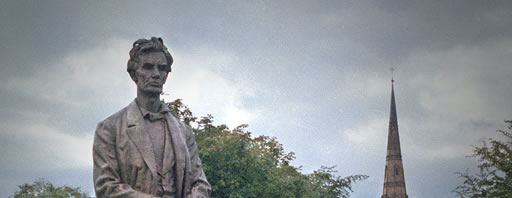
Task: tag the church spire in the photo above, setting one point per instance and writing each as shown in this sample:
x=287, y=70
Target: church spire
x=394, y=180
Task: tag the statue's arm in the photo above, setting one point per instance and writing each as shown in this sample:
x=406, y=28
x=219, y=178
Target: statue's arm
x=107, y=182
x=200, y=185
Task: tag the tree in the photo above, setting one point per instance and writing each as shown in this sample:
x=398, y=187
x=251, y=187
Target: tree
x=325, y=184
x=239, y=165
x=42, y=188
x=495, y=164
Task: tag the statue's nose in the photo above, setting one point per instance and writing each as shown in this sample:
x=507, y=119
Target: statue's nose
x=155, y=73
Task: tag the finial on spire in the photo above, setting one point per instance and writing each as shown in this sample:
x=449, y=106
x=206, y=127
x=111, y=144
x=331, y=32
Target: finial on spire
x=392, y=78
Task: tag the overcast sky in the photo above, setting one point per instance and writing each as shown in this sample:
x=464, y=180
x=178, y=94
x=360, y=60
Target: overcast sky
x=314, y=74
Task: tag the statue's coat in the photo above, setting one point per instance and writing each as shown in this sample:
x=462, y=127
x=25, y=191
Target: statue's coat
x=124, y=163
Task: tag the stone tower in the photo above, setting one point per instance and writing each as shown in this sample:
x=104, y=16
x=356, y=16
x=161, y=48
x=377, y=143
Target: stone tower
x=394, y=180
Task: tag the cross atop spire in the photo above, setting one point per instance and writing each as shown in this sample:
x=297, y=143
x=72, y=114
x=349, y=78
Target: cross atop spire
x=392, y=78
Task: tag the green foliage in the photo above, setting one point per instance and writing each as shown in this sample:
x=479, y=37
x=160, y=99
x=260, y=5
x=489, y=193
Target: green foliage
x=239, y=165
x=42, y=188
x=325, y=184
x=495, y=164
x=179, y=110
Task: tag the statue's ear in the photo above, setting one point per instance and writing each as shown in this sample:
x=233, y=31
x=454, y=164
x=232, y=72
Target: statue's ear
x=133, y=76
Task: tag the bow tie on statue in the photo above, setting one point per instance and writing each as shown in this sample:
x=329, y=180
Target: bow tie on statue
x=154, y=116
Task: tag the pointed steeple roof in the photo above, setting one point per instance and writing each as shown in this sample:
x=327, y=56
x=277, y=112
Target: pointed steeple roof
x=393, y=137
x=394, y=179
x=392, y=111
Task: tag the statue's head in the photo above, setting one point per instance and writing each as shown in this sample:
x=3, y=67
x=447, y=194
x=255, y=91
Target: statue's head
x=149, y=64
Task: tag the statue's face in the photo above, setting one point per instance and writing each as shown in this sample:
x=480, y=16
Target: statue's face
x=151, y=72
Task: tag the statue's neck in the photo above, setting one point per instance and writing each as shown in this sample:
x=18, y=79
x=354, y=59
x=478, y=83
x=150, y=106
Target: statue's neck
x=148, y=101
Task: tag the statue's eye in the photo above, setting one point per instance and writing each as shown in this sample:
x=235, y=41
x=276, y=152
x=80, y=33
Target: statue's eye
x=163, y=67
x=147, y=66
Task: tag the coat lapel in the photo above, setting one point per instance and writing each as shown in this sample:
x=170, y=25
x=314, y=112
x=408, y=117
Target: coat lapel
x=180, y=150
x=136, y=132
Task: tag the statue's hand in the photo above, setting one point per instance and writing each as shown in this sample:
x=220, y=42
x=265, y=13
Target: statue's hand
x=198, y=192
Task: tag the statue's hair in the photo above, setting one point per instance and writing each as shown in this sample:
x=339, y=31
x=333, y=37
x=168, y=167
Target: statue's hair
x=143, y=45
